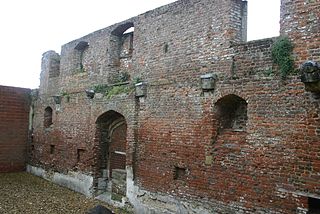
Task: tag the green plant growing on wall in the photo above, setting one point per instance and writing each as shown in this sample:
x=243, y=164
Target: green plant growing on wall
x=101, y=88
x=116, y=197
x=66, y=95
x=282, y=56
x=119, y=89
x=121, y=77
x=124, y=76
x=268, y=72
x=111, y=90
x=137, y=79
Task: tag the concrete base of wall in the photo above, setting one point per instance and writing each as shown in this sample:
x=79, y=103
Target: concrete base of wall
x=73, y=180
x=149, y=203
x=142, y=201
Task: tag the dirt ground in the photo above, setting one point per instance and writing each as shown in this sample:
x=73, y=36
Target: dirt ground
x=25, y=193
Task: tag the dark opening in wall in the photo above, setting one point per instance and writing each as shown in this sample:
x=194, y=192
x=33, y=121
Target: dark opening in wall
x=31, y=137
x=80, y=153
x=180, y=173
x=232, y=113
x=52, y=149
x=314, y=205
x=80, y=49
x=68, y=98
x=111, y=134
x=126, y=45
x=165, y=48
x=121, y=43
x=47, y=117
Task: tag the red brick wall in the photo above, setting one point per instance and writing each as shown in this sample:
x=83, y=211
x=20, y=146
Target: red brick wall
x=14, y=114
x=300, y=21
x=269, y=163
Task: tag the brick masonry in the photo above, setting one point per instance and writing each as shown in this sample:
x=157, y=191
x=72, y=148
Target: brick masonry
x=14, y=114
x=250, y=145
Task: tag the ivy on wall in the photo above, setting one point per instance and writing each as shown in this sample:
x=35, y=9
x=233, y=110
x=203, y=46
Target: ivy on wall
x=282, y=56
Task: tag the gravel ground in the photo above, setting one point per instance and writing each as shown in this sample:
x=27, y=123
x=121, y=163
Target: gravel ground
x=25, y=193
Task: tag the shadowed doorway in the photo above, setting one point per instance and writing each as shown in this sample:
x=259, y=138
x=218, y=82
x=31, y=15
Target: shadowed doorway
x=112, y=135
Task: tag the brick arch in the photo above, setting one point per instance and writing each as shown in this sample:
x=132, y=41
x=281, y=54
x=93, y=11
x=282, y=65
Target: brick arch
x=120, y=48
x=119, y=30
x=112, y=130
x=237, y=93
x=118, y=109
x=109, y=115
x=111, y=136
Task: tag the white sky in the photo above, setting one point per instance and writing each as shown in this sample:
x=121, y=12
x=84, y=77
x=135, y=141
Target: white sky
x=32, y=27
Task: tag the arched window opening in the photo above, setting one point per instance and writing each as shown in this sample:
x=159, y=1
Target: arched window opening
x=232, y=113
x=80, y=48
x=47, y=117
x=126, y=46
x=121, y=43
x=129, y=30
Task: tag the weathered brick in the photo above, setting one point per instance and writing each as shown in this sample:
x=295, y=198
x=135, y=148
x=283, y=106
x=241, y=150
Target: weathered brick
x=251, y=145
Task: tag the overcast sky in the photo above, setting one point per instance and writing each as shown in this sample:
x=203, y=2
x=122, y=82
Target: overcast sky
x=32, y=27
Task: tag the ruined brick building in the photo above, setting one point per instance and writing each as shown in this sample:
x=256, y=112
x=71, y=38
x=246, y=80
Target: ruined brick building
x=181, y=115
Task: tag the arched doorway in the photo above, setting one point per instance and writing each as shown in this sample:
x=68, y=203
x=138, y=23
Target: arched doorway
x=112, y=136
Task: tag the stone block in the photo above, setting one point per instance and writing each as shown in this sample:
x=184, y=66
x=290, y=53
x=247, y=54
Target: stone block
x=208, y=81
x=141, y=89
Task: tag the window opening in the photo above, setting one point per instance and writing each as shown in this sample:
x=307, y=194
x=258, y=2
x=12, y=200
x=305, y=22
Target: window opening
x=52, y=149
x=81, y=47
x=165, y=48
x=127, y=43
x=121, y=43
x=129, y=30
x=47, y=117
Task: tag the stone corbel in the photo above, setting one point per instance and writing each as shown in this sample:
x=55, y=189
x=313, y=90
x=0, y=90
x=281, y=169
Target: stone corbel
x=208, y=82
x=90, y=93
x=310, y=76
x=141, y=89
